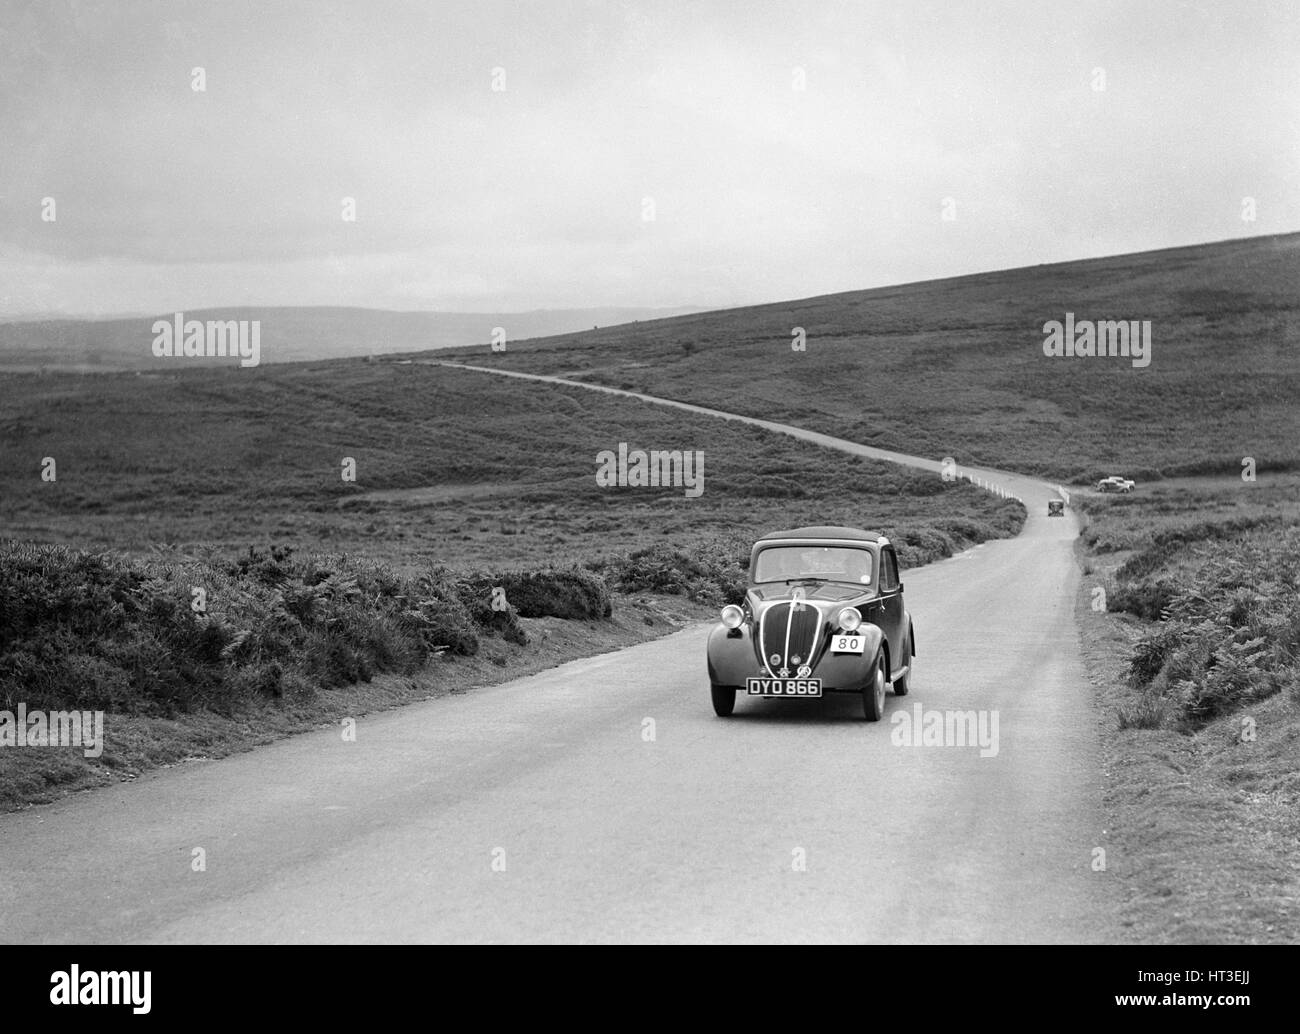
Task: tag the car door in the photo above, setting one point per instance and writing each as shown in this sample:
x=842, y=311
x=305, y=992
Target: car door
x=892, y=618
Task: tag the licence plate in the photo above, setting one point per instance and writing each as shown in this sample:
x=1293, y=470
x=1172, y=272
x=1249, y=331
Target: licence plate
x=848, y=643
x=784, y=687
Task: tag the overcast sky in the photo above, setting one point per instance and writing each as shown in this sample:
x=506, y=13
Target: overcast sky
x=535, y=196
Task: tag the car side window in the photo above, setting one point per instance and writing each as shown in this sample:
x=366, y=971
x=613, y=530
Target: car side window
x=888, y=571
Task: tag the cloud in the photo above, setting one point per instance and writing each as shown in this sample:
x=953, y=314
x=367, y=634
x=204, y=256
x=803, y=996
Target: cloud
x=534, y=195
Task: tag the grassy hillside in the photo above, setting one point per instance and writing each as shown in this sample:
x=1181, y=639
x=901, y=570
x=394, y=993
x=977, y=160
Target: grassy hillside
x=456, y=467
x=956, y=367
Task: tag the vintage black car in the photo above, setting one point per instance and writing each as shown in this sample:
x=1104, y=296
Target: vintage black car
x=823, y=613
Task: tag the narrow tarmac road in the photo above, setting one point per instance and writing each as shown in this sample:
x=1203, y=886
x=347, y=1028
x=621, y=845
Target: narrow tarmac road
x=603, y=801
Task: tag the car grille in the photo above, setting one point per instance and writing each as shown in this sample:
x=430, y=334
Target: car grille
x=803, y=626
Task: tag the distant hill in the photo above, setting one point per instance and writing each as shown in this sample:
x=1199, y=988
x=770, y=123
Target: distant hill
x=288, y=334
x=956, y=367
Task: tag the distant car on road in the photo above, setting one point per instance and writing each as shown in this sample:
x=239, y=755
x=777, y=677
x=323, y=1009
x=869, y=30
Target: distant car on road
x=823, y=613
x=1115, y=484
x=1056, y=508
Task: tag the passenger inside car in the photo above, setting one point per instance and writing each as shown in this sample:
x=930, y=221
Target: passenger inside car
x=859, y=567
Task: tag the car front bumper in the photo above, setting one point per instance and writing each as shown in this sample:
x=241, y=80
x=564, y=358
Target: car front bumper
x=732, y=662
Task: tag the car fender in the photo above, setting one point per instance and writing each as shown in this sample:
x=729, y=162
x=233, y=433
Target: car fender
x=731, y=657
x=875, y=636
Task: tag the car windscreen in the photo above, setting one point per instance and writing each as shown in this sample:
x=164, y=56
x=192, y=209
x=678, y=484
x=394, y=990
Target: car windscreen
x=833, y=563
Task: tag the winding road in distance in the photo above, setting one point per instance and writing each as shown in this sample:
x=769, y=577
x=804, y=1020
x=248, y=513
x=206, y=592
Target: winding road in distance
x=542, y=810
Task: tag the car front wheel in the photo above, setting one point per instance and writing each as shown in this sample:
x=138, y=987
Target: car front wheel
x=873, y=693
x=724, y=700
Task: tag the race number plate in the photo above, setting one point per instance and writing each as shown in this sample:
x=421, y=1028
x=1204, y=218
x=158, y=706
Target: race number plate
x=848, y=643
x=784, y=687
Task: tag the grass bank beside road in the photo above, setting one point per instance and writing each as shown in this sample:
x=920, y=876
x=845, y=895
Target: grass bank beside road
x=280, y=646
x=1190, y=618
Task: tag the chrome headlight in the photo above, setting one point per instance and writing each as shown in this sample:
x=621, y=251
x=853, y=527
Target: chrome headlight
x=849, y=618
x=732, y=616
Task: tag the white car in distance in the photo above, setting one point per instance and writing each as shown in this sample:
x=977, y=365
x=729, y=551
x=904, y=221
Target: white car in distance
x=1115, y=484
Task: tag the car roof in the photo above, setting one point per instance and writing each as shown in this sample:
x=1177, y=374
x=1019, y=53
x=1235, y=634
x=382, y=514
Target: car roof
x=825, y=531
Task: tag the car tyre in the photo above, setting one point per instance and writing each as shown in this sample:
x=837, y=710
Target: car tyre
x=873, y=693
x=724, y=700
x=901, y=684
